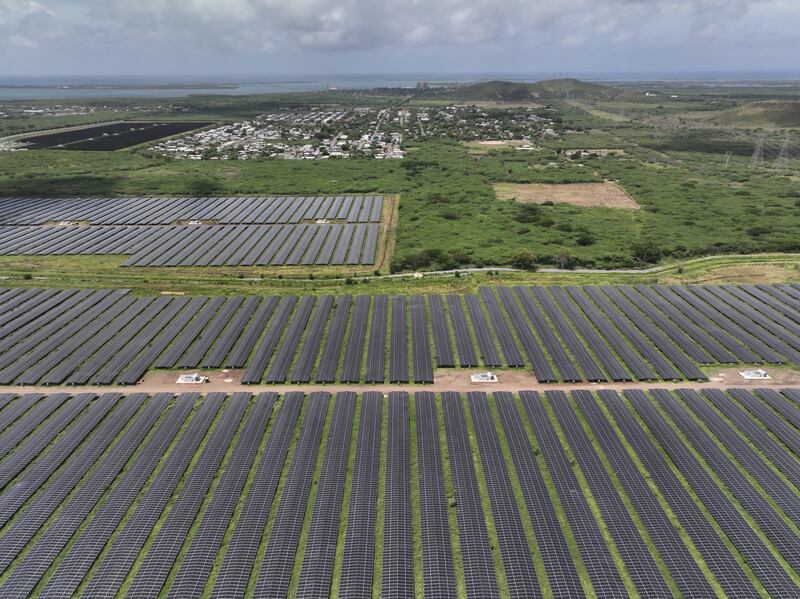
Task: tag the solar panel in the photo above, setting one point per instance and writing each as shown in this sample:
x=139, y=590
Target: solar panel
x=276, y=568
x=397, y=571
x=507, y=344
x=316, y=572
x=420, y=344
x=639, y=562
x=354, y=349
x=780, y=492
x=262, y=355
x=198, y=561
x=398, y=357
x=376, y=350
x=111, y=570
x=719, y=559
x=476, y=556
x=541, y=367
x=308, y=354
x=329, y=360
x=597, y=560
x=562, y=576
x=760, y=559
x=466, y=352
x=41, y=555
x=438, y=575
x=237, y=564
x=514, y=549
x=359, y=541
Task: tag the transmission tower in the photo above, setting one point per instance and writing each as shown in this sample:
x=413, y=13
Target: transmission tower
x=728, y=155
x=782, y=161
x=758, y=153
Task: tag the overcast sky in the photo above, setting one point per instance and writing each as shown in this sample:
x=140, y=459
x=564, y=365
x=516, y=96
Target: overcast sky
x=282, y=37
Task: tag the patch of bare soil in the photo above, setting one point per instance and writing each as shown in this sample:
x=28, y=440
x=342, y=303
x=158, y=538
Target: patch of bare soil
x=587, y=195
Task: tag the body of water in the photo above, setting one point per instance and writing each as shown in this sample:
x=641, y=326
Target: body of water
x=94, y=88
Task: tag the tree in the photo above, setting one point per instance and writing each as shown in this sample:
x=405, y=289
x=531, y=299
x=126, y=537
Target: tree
x=563, y=260
x=646, y=252
x=524, y=260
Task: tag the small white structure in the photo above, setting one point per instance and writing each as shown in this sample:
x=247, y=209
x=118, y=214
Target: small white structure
x=191, y=379
x=195, y=222
x=758, y=374
x=483, y=377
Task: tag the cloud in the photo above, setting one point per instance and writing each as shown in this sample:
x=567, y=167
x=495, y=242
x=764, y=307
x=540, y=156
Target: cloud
x=321, y=27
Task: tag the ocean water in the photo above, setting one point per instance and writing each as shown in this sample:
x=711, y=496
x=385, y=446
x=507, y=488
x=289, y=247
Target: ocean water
x=86, y=88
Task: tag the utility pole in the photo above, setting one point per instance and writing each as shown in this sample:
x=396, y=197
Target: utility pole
x=758, y=153
x=782, y=161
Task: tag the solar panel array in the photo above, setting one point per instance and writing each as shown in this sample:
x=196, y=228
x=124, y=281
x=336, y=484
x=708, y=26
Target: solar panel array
x=166, y=211
x=237, y=231
x=659, y=494
x=202, y=245
x=646, y=333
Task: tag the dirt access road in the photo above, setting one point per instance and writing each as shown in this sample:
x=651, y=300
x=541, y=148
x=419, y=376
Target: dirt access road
x=513, y=381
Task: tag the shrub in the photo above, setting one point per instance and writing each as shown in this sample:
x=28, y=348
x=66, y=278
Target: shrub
x=524, y=260
x=646, y=252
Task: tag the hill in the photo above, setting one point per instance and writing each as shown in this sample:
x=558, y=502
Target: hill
x=770, y=113
x=509, y=91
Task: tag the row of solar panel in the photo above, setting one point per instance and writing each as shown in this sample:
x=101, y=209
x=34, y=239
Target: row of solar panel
x=693, y=493
x=589, y=333
x=165, y=211
x=211, y=245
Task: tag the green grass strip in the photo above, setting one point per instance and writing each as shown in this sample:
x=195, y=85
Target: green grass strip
x=135, y=505
x=746, y=439
x=663, y=503
x=700, y=505
x=752, y=480
x=623, y=495
x=101, y=502
x=175, y=494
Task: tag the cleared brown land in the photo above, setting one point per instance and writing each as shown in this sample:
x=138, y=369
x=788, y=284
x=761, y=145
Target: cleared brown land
x=588, y=195
x=453, y=380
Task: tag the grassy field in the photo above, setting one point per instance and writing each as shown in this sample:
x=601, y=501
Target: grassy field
x=104, y=272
